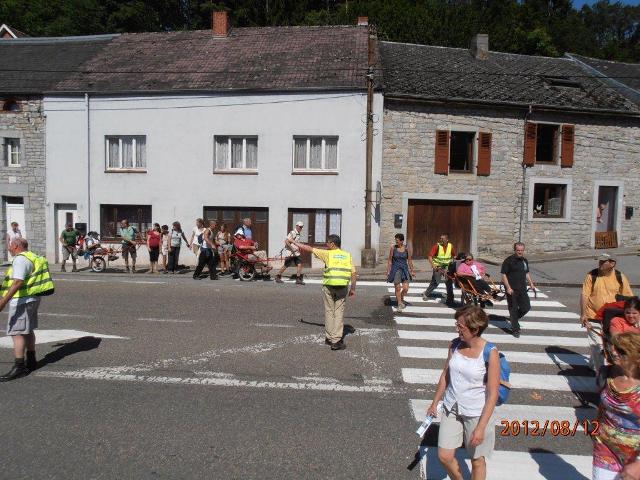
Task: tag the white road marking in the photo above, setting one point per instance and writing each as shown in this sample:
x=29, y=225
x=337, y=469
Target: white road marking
x=491, y=311
x=525, y=339
x=49, y=336
x=222, y=380
x=70, y=315
x=167, y=320
x=507, y=465
x=534, y=303
x=520, y=413
x=273, y=325
x=561, y=383
x=456, y=291
x=563, y=359
x=450, y=322
x=113, y=280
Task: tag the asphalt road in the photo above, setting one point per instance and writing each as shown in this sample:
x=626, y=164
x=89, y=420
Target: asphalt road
x=216, y=380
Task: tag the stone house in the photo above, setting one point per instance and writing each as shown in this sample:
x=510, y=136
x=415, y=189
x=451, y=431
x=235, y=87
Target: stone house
x=30, y=67
x=494, y=148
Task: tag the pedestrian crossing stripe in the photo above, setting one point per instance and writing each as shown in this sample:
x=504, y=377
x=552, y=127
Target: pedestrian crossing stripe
x=413, y=290
x=534, y=303
x=450, y=322
x=498, y=338
x=491, y=311
x=560, y=359
x=562, y=383
x=520, y=413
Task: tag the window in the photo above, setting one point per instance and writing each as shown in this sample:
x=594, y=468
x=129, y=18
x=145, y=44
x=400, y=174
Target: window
x=546, y=143
x=461, y=151
x=12, y=151
x=126, y=153
x=236, y=153
x=315, y=154
x=549, y=200
x=11, y=106
x=139, y=216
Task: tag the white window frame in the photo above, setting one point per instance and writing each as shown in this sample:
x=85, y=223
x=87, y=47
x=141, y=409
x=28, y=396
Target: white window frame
x=120, y=138
x=533, y=181
x=322, y=169
x=228, y=168
x=10, y=152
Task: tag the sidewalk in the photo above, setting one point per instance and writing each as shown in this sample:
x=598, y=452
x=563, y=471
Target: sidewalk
x=567, y=269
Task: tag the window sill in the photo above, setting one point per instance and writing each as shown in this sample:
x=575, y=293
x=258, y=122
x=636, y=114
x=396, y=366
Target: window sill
x=549, y=220
x=238, y=171
x=125, y=170
x=549, y=164
x=459, y=172
x=13, y=165
x=314, y=172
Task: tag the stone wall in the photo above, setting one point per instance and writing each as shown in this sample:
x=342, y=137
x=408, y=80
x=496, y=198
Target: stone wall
x=605, y=149
x=27, y=180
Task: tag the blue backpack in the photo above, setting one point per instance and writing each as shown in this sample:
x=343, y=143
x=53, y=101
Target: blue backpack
x=505, y=371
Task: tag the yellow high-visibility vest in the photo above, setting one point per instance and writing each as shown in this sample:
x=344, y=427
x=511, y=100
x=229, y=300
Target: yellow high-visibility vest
x=444, y=257
x=337, y=272
x=37, y=283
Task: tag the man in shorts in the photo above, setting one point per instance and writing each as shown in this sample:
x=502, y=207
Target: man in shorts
x=294, y=258
x=27, y=279
x=69, y=239
x=128, y=234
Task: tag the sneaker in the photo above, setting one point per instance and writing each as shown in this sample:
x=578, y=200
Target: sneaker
x=279, y=279
x=338, y=345
x=299, y=281
x=425, y=297
x=63, y=268
x=327, y=341
x=516, y=333
x=17, y=371
x=401, y=306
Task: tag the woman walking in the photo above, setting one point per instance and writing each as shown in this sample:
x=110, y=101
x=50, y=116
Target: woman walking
x=154, y=238
x=468, y=401
x=223, y=238
x=175, y=243
x=196, y=236
x=616, y=444
x=400, y=269
x=165, y=246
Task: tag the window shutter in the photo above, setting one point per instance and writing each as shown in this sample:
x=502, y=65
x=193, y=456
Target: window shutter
x=568, y=135
x=484, y=154
x=530, y=134
x=442, y=153
x=3, y=152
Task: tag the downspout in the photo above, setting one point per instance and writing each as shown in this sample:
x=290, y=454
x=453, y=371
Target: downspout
x=368, y=255
x=524, y=179
x=86, y=104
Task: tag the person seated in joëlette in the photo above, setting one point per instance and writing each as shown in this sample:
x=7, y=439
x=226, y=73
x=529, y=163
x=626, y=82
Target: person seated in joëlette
x=250, y=248
x=477, y=274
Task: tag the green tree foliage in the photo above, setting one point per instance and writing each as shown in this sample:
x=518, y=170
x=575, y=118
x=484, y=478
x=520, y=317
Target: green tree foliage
x=605, y=29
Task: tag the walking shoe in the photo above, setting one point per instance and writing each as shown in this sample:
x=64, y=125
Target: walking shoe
x=279, y=279
x=126, y=270
x=17, y=371
x=327, y=341
x=425, y=296
x=74, y=269
x=197, y=277
x=516, y=333
x=299, y=281
x=338, y=345
x=133, y=269
x=401, y=306
x=215, y=277
x=63, y=268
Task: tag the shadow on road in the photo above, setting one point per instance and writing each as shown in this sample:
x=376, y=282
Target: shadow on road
x=83, y=344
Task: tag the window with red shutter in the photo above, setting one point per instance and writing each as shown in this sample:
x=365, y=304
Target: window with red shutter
x=530, y=135
x=566, y=151
x=442, y=153
x=484, y=154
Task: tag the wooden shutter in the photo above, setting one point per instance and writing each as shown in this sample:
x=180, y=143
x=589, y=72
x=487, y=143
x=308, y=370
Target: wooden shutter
x=530, y=138
x=3, y=150
x=442, y=153
x=484, y=154
x=566, y=151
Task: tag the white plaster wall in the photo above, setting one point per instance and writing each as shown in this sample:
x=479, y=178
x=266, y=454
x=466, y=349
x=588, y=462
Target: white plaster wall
x=180, y=181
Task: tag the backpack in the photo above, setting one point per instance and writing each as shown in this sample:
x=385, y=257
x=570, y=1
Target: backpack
x=594, y=276
x=505, y=370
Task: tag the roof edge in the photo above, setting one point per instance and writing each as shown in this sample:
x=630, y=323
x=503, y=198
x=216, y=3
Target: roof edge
x=43, y=40
x=104, y=93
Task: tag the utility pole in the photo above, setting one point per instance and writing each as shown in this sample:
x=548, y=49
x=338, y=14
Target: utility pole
x=369, y=254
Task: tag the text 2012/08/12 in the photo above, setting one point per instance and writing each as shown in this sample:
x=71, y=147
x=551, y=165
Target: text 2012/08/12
x=556, y=428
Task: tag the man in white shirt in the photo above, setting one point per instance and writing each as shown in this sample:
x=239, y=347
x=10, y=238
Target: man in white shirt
x=13, y=233
x=294, y=258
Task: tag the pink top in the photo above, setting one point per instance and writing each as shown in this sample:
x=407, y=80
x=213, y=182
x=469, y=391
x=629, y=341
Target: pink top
x=620, y=325
x=466, y=269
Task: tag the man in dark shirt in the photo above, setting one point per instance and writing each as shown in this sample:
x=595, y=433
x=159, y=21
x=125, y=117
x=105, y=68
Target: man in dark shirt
x=515, y=274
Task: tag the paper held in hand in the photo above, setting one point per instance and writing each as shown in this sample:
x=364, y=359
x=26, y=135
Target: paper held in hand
x=424, y=426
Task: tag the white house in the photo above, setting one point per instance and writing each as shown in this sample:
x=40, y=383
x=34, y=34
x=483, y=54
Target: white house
x=266, y=123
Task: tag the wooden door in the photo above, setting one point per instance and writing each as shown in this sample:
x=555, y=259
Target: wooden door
x=232, y=218
x=428, y=219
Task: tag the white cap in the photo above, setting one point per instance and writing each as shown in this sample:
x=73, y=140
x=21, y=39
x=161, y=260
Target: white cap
x=299, y=224
x=239, y=232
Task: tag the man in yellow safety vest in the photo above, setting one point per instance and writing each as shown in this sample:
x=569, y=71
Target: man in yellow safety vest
x=441, y=258
x=26, y=281
x=338, y=272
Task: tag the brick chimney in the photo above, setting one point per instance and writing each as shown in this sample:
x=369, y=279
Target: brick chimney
x=480, y=46
x=363, y=21
x=220, y=24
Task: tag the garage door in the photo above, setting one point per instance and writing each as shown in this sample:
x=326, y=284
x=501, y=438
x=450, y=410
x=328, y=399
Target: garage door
x=428, y=219
x=232, y=217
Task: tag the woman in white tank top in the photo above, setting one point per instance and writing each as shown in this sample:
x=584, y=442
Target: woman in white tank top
x=470, y=391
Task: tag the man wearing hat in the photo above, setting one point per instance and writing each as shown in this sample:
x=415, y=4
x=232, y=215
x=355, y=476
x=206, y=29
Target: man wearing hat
x=600, y=286
x=249, y=247
x=294, y=258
